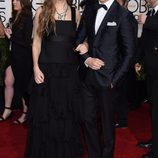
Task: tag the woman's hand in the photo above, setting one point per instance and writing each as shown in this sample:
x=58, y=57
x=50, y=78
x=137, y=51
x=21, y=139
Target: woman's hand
x=141, y=18
x=82, y=48
x=137, y=68
x=38, y=75
x=8, y=32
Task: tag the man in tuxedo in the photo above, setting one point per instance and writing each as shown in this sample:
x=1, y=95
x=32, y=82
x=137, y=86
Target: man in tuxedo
x=149, y=52
x=106, y=26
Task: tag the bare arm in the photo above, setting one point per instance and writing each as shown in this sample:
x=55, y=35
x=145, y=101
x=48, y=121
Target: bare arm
x=82, y=46
x=36, y=49
x=1, y=29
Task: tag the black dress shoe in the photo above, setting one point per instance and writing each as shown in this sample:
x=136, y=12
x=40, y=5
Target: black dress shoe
x=147, y=144
x=120, y=125
x=149, y=155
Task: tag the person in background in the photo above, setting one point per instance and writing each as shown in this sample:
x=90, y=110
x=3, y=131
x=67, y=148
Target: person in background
x=2, y=36
x=149, y=54
x=19, y=65
x=1, y=33
x=1, y=29
x=54, y=130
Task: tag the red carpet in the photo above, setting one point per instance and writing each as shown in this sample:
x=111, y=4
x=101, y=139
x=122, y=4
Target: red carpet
x=13, y=137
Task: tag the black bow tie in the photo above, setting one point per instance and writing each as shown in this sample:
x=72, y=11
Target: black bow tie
x=102, y=6
x=152, y=13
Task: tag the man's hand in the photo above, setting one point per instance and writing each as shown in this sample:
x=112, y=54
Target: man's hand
x=94, y=63
x=142, y=18
x=137, y=68
x=82, y=48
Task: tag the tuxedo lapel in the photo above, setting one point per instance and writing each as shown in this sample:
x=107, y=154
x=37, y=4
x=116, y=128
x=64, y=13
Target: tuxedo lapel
x=108, y=17
x=94, y=14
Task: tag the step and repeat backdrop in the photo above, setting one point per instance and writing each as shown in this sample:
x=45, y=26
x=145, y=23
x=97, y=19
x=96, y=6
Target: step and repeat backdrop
x=135, y=6
x=5, y=10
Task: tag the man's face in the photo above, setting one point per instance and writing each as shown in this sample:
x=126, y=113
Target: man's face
x=152, y=3
x=121, y=2
x=103, y=1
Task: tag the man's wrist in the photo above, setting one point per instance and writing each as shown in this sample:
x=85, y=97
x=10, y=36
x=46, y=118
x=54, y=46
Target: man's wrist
x=85, y=56
x=112, y=86
x=85, y=62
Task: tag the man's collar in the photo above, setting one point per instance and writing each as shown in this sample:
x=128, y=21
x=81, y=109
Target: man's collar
x=108, y=3
x=156, y=8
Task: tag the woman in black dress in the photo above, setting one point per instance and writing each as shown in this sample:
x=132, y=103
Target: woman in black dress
x=19, y=66
x=54, y=104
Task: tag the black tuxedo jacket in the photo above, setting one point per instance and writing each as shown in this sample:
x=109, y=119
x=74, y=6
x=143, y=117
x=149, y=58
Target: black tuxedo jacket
x=114, y=42
x=149, y=45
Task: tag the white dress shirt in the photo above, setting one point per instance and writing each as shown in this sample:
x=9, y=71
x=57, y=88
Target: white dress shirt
x=101, y=14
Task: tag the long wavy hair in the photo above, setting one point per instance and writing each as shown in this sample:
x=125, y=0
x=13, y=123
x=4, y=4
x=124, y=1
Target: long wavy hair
x=26, y=11
x=47, y=15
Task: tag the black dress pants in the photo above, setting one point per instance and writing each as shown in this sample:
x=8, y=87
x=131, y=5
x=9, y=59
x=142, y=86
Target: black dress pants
x=95, y=99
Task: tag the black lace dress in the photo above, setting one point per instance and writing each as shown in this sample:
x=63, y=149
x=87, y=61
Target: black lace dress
x=54, y=105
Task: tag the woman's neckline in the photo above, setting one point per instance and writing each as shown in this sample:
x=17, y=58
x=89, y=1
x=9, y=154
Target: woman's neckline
x=63, y=20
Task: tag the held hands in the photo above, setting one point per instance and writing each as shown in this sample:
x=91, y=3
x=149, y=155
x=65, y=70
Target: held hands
x=8, y=32
x=38, y=75
x=137, y=68
x=94, y=63
x=141, y=18
x=82, y=48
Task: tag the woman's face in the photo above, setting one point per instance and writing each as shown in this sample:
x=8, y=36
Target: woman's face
x=17, y=5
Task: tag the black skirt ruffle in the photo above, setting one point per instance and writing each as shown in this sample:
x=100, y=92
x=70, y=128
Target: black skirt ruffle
x=54, y=114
